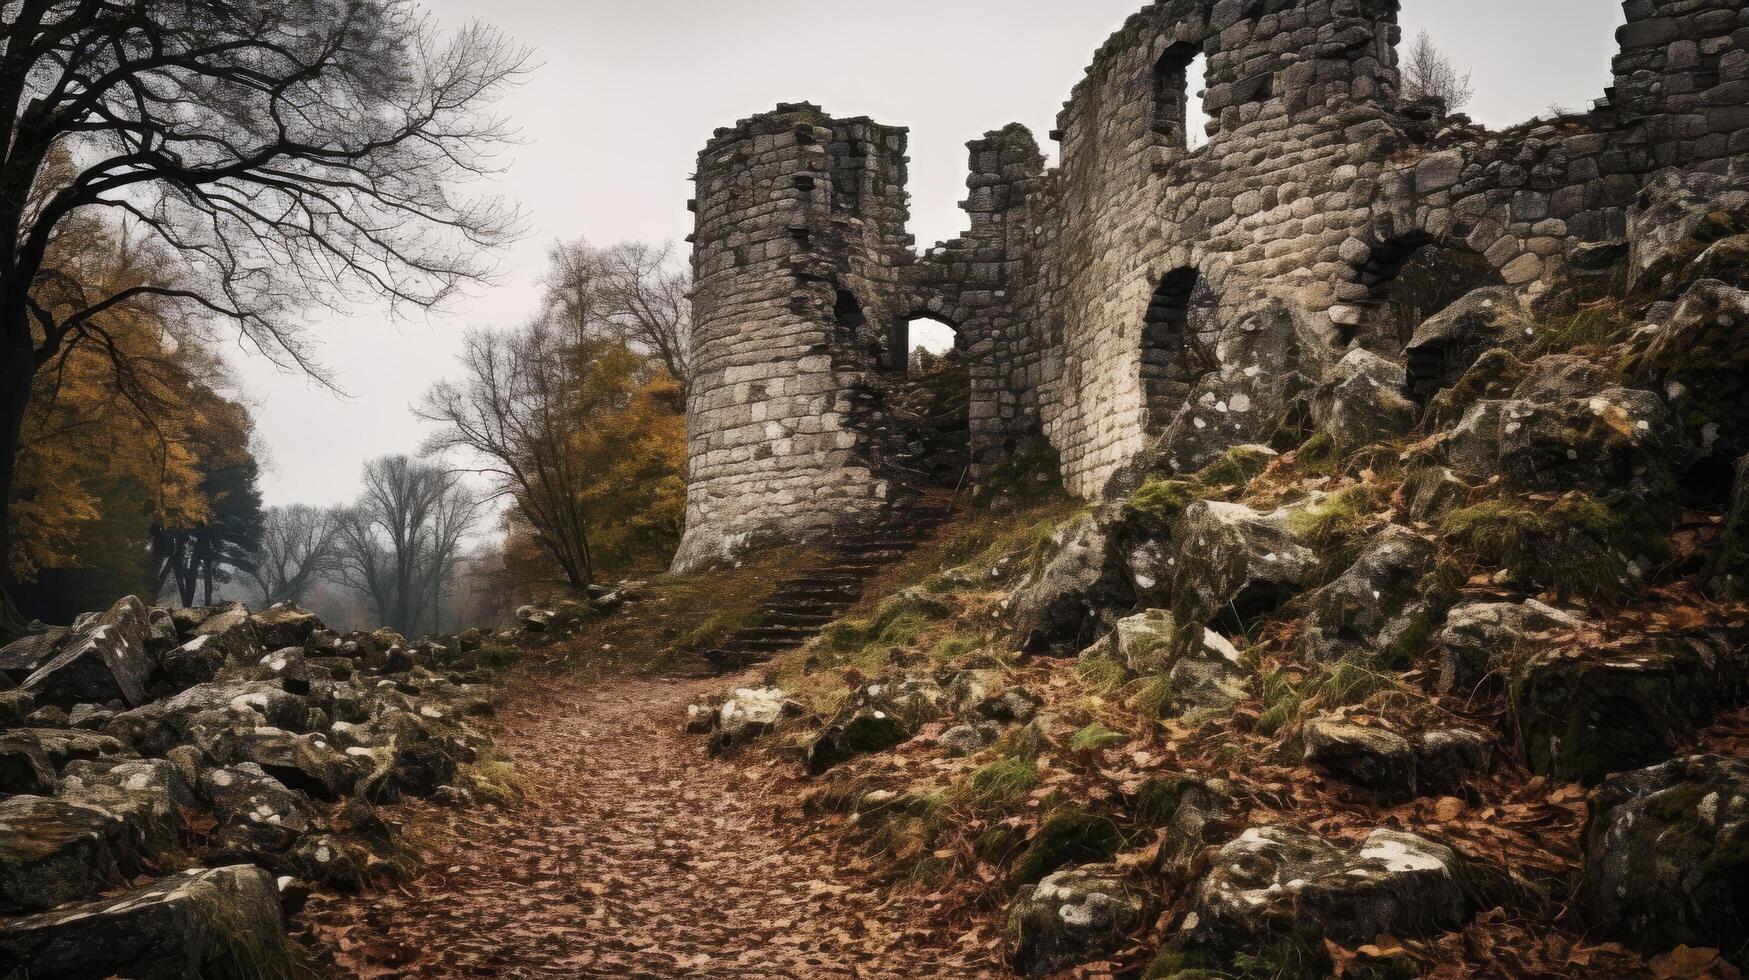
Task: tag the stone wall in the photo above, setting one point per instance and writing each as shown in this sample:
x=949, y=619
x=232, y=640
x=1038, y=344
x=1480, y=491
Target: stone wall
x=1096, y=299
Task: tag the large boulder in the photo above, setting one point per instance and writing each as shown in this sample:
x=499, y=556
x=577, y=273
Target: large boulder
x=149, y=795
x=1447, y=344
x=1383, y=608
x=306, y=763
x=285, y=625
x=1143, y=644
x=1581, y=715
x=1072, y=917
x=405, y=757
x=31, y=757
x=1363, y=401
x=1480, y=637
x=1076, y=596
x=1372, y=758
x=746, y=714
x=1677, y=217
x=1234, y=563
x=1243, y=400
x=25, y=656
x=1569, y=427
x=1667, y=857
x=1699, y=356
x=206, y=709
x=55, y=851
x=1274, y=884
x=225, y=922
x=1200, y=665
x=106, y=661
x=260, y=819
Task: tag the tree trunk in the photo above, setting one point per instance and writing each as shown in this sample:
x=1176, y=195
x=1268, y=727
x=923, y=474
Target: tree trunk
x=17, y=367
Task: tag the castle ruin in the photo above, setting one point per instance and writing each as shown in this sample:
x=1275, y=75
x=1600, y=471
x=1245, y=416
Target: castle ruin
x=1146, y=300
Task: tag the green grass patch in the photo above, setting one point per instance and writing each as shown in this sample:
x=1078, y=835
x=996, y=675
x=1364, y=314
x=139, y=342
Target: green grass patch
x=1096, y=737
x=1593, y=328
x=1003, y=782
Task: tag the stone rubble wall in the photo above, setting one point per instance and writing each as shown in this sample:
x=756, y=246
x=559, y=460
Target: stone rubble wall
x=1316, y=185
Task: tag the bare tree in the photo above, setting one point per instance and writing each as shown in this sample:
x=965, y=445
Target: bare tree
x=649, y=294
x=297, y=548
x=638, y=292
x=516, y=411
x=403, y=536
x=289, y=153
x=1429, y=74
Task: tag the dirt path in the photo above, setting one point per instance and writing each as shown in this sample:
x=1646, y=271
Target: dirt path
x=633, y=855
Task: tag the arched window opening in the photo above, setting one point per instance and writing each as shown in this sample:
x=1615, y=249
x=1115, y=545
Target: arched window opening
x=1411, y=278
x=1179, y=77
x=1178, y=342
x=929, y=335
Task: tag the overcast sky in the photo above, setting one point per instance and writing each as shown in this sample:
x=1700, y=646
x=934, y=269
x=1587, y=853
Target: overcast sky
x=624, y=95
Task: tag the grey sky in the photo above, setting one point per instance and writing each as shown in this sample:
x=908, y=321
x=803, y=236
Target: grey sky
x=627, y=91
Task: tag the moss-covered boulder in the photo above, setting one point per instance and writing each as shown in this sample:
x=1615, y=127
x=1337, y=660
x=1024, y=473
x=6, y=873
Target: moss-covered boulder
x=1667, y=857
x=149, y=795
x=225, y=922
x=1569, y=426
x=105, y=661
x=1699, y=355
x=1479, y=637
x=1233, y=563
x=877, y=717
x=1073, y=916
x=1076, y=596
x=1582, y=715
x=1446, y=345
x=285, y=625
x=1383, y=608
x=1068, y=835
x=1364, y=401
x=1274, y=885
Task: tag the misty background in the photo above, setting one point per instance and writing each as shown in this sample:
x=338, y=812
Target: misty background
x=622, y=97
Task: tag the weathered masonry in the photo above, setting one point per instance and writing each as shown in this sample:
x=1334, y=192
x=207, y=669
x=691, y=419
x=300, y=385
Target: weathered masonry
x=1145, y=297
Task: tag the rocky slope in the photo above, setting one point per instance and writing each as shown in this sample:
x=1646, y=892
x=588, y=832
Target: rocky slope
x=1442, y=672
x=173, y=783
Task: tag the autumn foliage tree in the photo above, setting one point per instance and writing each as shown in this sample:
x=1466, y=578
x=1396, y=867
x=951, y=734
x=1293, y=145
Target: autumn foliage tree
x=126, y=433
x=577, y=418
x=280, y=155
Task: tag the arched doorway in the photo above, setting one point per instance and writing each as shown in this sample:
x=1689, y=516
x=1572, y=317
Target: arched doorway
x=1178, y=343
x=930, y=405
x=1413, y=276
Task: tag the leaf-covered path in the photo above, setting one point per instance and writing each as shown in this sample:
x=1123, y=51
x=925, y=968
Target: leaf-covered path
x=632, y=854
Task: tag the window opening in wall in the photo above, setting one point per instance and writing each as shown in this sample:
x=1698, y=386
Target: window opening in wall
x=1201, y=122
x=1179, y=79
x=847, y=173
x=1178, y=342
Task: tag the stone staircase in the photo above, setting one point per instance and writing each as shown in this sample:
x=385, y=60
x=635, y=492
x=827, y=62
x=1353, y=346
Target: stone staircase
x=800, y=607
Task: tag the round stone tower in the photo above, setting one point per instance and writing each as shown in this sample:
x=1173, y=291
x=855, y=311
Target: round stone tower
x=796, y=256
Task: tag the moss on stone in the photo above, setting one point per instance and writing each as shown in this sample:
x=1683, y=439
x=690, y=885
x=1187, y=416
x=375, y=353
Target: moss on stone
x=1070, y=835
